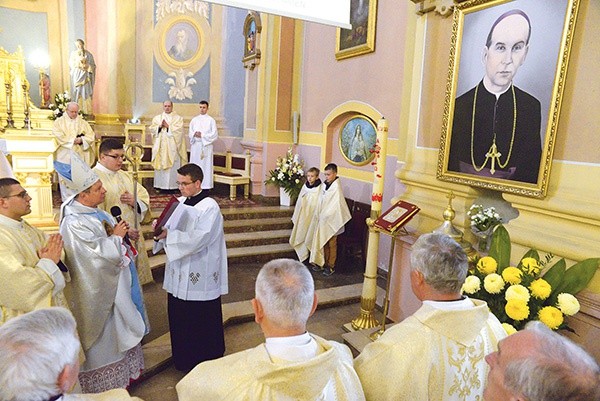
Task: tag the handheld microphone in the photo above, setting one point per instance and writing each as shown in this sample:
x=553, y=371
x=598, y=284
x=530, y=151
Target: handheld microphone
x=116, y=213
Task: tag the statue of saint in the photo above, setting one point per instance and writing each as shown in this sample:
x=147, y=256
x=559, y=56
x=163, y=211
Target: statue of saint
x=83, y=76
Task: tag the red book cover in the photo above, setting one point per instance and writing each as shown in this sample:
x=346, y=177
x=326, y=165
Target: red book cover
x=396, y=216
x=165, y=215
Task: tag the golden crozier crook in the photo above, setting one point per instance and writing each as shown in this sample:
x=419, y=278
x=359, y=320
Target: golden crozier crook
x=493, y=151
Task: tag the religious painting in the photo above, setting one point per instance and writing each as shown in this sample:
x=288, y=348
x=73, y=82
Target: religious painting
x=357, y=138
x=182, y=43
x=251, y=32
x=507, y=70
x=361, y=38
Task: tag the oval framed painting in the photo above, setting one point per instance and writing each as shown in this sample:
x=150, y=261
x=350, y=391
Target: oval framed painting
x=357, y=138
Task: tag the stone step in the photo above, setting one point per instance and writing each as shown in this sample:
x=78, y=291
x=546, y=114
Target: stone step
x=260, y=253
x=246, y=254
x=254, y=225
x=244, y=225
x=256, y=212
x=236, y=240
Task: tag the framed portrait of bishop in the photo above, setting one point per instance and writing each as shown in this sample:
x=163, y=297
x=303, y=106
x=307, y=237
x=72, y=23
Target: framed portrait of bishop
x=507, y=69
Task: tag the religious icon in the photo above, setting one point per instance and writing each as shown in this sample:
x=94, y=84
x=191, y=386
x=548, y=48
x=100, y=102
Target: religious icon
x=357, y=139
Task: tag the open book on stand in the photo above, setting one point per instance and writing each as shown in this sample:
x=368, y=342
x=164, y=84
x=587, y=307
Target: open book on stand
x=396, y=216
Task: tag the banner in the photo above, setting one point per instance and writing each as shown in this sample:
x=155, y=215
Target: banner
x=328, y=12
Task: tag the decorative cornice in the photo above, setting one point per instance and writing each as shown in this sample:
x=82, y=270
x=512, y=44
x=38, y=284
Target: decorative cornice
x=442, y=7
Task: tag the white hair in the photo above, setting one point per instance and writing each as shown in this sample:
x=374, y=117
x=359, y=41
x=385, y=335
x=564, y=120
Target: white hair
x=558, y=370
x=35, y=349
x=285, y=289
x=441, y=260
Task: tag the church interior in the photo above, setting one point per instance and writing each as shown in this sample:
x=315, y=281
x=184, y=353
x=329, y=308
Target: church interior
x=276, y=83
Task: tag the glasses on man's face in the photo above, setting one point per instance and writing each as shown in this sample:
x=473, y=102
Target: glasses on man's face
x=116, y=157
x=185, y=184
x=22, y=195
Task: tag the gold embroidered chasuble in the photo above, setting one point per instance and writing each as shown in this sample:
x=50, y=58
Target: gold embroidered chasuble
x=435, y=355
x=117, y=183
x=66, y=130
x=302, y=217
x=253, y=375
x=168, y=144
x=27, y=282
x=331, y=215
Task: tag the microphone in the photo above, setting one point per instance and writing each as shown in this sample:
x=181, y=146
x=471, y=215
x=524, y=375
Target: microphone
x=116, y=213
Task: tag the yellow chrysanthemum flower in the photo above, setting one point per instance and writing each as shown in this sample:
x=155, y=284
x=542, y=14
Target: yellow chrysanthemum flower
x=568, y=304
x=471, y=285
x=487, y=265
x=540, y=288
x=517, y=293
x=530, y=266
x=512, y=275
x=509, y=328
x=493, y=283
x=551, y=317
x=516, y=309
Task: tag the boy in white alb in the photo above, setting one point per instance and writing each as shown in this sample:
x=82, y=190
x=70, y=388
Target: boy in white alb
x=304, y=212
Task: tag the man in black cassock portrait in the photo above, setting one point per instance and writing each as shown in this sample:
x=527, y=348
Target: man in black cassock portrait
x=496, y=128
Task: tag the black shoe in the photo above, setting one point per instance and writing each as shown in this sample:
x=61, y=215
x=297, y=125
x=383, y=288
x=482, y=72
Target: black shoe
x=328, y=271
x=316, y=268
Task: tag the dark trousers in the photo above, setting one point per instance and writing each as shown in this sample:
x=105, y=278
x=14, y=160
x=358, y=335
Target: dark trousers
x=196, y=331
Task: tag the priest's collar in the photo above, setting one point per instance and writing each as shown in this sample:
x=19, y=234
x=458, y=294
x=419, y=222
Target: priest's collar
x=497, y=94
x=193, y=200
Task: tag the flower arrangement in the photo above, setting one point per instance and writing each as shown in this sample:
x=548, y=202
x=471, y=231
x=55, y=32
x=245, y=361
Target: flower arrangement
x=530, y=290
x=288, y=174
x=483, y=222
x=60, y=105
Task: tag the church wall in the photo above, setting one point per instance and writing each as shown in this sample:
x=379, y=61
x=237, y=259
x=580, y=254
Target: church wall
x=35, y=26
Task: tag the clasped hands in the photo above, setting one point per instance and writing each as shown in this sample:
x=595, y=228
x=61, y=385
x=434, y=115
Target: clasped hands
x=53, y=248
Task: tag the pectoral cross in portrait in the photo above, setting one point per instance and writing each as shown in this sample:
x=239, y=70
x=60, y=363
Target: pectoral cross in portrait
x=494, y=155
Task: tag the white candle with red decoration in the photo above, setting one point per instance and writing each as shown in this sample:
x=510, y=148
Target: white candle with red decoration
x=378, y=162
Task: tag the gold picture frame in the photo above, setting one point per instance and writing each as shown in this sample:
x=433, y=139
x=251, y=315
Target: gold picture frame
x=172, y=53
x=251, y=32
x=508, y=145
x=361, y=38
x=356, y=140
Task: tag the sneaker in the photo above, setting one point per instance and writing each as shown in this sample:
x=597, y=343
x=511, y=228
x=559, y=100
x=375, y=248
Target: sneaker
x=328, y=271
x=316, y=268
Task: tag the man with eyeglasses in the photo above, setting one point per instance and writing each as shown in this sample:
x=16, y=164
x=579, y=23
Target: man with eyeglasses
x=196, y=272
x=73, y=134
x=29, y=266
x=119, y=192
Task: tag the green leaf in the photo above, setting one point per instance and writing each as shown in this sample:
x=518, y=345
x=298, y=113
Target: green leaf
x=554, y=275
x=577, y=277
x=500, y=247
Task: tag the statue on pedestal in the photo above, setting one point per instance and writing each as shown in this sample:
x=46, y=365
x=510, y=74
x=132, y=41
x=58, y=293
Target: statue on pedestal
x=83, y=76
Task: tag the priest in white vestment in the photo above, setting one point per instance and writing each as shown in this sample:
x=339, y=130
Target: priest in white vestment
x=32, y=275
x=292, y=364
x=202, y=133
x=40, y=359
x=304, y=212
x=119, y=186
x=328, y=222
x=104, y=293
x=195, y=273
x=73, y=134
x=169, y=149
x=436, y=354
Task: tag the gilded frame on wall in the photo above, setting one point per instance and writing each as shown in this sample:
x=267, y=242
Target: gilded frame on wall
x=182, y=42
x=498, y=132
x=361, y=38
x=251, y=32
x=356, y=140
